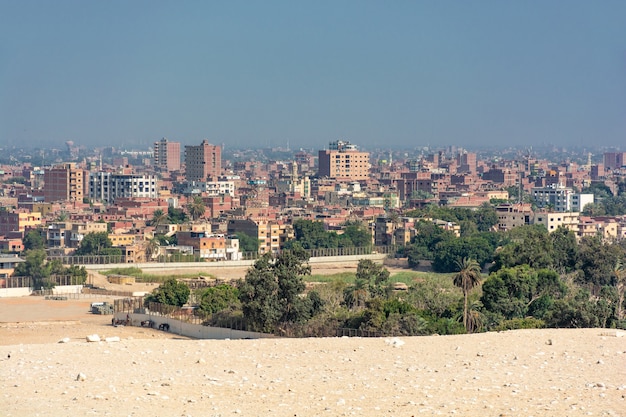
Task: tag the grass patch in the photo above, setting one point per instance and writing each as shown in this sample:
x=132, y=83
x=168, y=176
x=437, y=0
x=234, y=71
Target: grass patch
x=141, y=276
x=408, y=277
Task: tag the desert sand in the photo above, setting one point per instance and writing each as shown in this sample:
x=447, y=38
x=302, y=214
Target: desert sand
x=151, y=373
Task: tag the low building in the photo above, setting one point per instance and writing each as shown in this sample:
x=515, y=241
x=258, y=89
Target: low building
x=8, y=264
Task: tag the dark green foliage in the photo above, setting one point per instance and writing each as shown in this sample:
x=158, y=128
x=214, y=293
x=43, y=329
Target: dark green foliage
x=196, y=208
x=218, y=298
x=524, y=323
x=176, y=215
x=528, y=245
x=34, y=240
x=271, y=293
x=312, y=235
x=565, y=250
x=247, y=243
x=356, y=234
x=521, y=291
x=97, y=244
x=423, y=247
x=40, y=271
x=596, y=261
x=171, y=292
x=448, y=253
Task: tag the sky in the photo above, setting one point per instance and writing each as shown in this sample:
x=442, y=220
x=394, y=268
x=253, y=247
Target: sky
x=380, y=74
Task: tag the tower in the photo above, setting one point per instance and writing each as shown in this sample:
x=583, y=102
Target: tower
x=203, y=161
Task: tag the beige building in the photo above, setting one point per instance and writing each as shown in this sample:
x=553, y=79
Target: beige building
x=63, y=183
x=344, y=160
x=552, y=221
x=271, y=234
x=513, y=215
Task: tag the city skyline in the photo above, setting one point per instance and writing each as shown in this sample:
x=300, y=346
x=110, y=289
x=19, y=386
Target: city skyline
x=402, y=74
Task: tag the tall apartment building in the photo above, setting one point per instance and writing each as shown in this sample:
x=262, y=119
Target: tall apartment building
x=344, y=160
x=107, y=186
x=614, y=160
x=63, y=183
x=203, y=161
x=167, y=155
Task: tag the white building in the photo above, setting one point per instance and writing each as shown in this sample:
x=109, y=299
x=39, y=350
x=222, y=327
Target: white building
x=210, y=188
x=560, y=199
x=107, y=186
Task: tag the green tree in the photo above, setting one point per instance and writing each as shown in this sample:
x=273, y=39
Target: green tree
x=312, y=235
x=565, y=250
x=247, y=243
x=449, y=253
x=271, y=293
x=596, y=261
x=521, y=291
x=34, y=240
x=97, y=243
x=218, y=298
x=176, y=215
x=34, y=267
x=375, y=275
x=527, y=245
x=196, y=208
x=466, y=279
x=158, y=218
x=171, y=292
x=619, y=272
x=357, y=234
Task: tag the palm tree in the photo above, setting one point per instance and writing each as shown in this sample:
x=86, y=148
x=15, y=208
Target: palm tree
x=152, y=247
x=357, y=294
x=196, y=208
x=467, y=278
x=620, y=284
x=158, y=217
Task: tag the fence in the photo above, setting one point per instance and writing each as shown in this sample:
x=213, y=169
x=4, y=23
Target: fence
x=247, y=256
x=53, y=280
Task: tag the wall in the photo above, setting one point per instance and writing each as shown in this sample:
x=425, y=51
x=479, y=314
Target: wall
x=196, y=331
x=14, y=292
x=146, y=266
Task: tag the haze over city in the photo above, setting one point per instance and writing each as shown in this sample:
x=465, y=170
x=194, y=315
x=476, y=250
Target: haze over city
x=250, y=74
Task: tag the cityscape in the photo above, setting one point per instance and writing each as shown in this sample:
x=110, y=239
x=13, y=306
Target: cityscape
x=312, y=208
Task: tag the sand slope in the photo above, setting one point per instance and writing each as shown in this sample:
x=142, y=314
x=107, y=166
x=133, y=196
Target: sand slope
x=517, y=373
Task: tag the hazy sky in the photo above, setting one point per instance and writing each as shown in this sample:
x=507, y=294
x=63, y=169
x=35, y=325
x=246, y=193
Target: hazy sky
x=258, y=73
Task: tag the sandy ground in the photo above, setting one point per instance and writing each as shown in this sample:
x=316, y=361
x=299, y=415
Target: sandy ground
x=152, y=373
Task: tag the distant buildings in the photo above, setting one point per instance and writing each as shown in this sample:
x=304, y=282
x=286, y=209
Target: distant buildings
x=167, y=155
x=202, y=162
x=344, y=160
x=63, y=183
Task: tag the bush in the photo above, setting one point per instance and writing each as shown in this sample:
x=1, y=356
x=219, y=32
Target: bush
x=521, y=323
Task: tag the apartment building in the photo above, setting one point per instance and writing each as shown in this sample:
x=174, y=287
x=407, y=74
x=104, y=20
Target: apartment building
x=18, y=221
x=560, y=199
x=203, y=161
x=513, y=215
x=166, y=155
x=108, y=186
x=552, y=221
x=69, y=235
x=211, y=246
x=63, y=183
x=271, y=234
x=344, y=160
